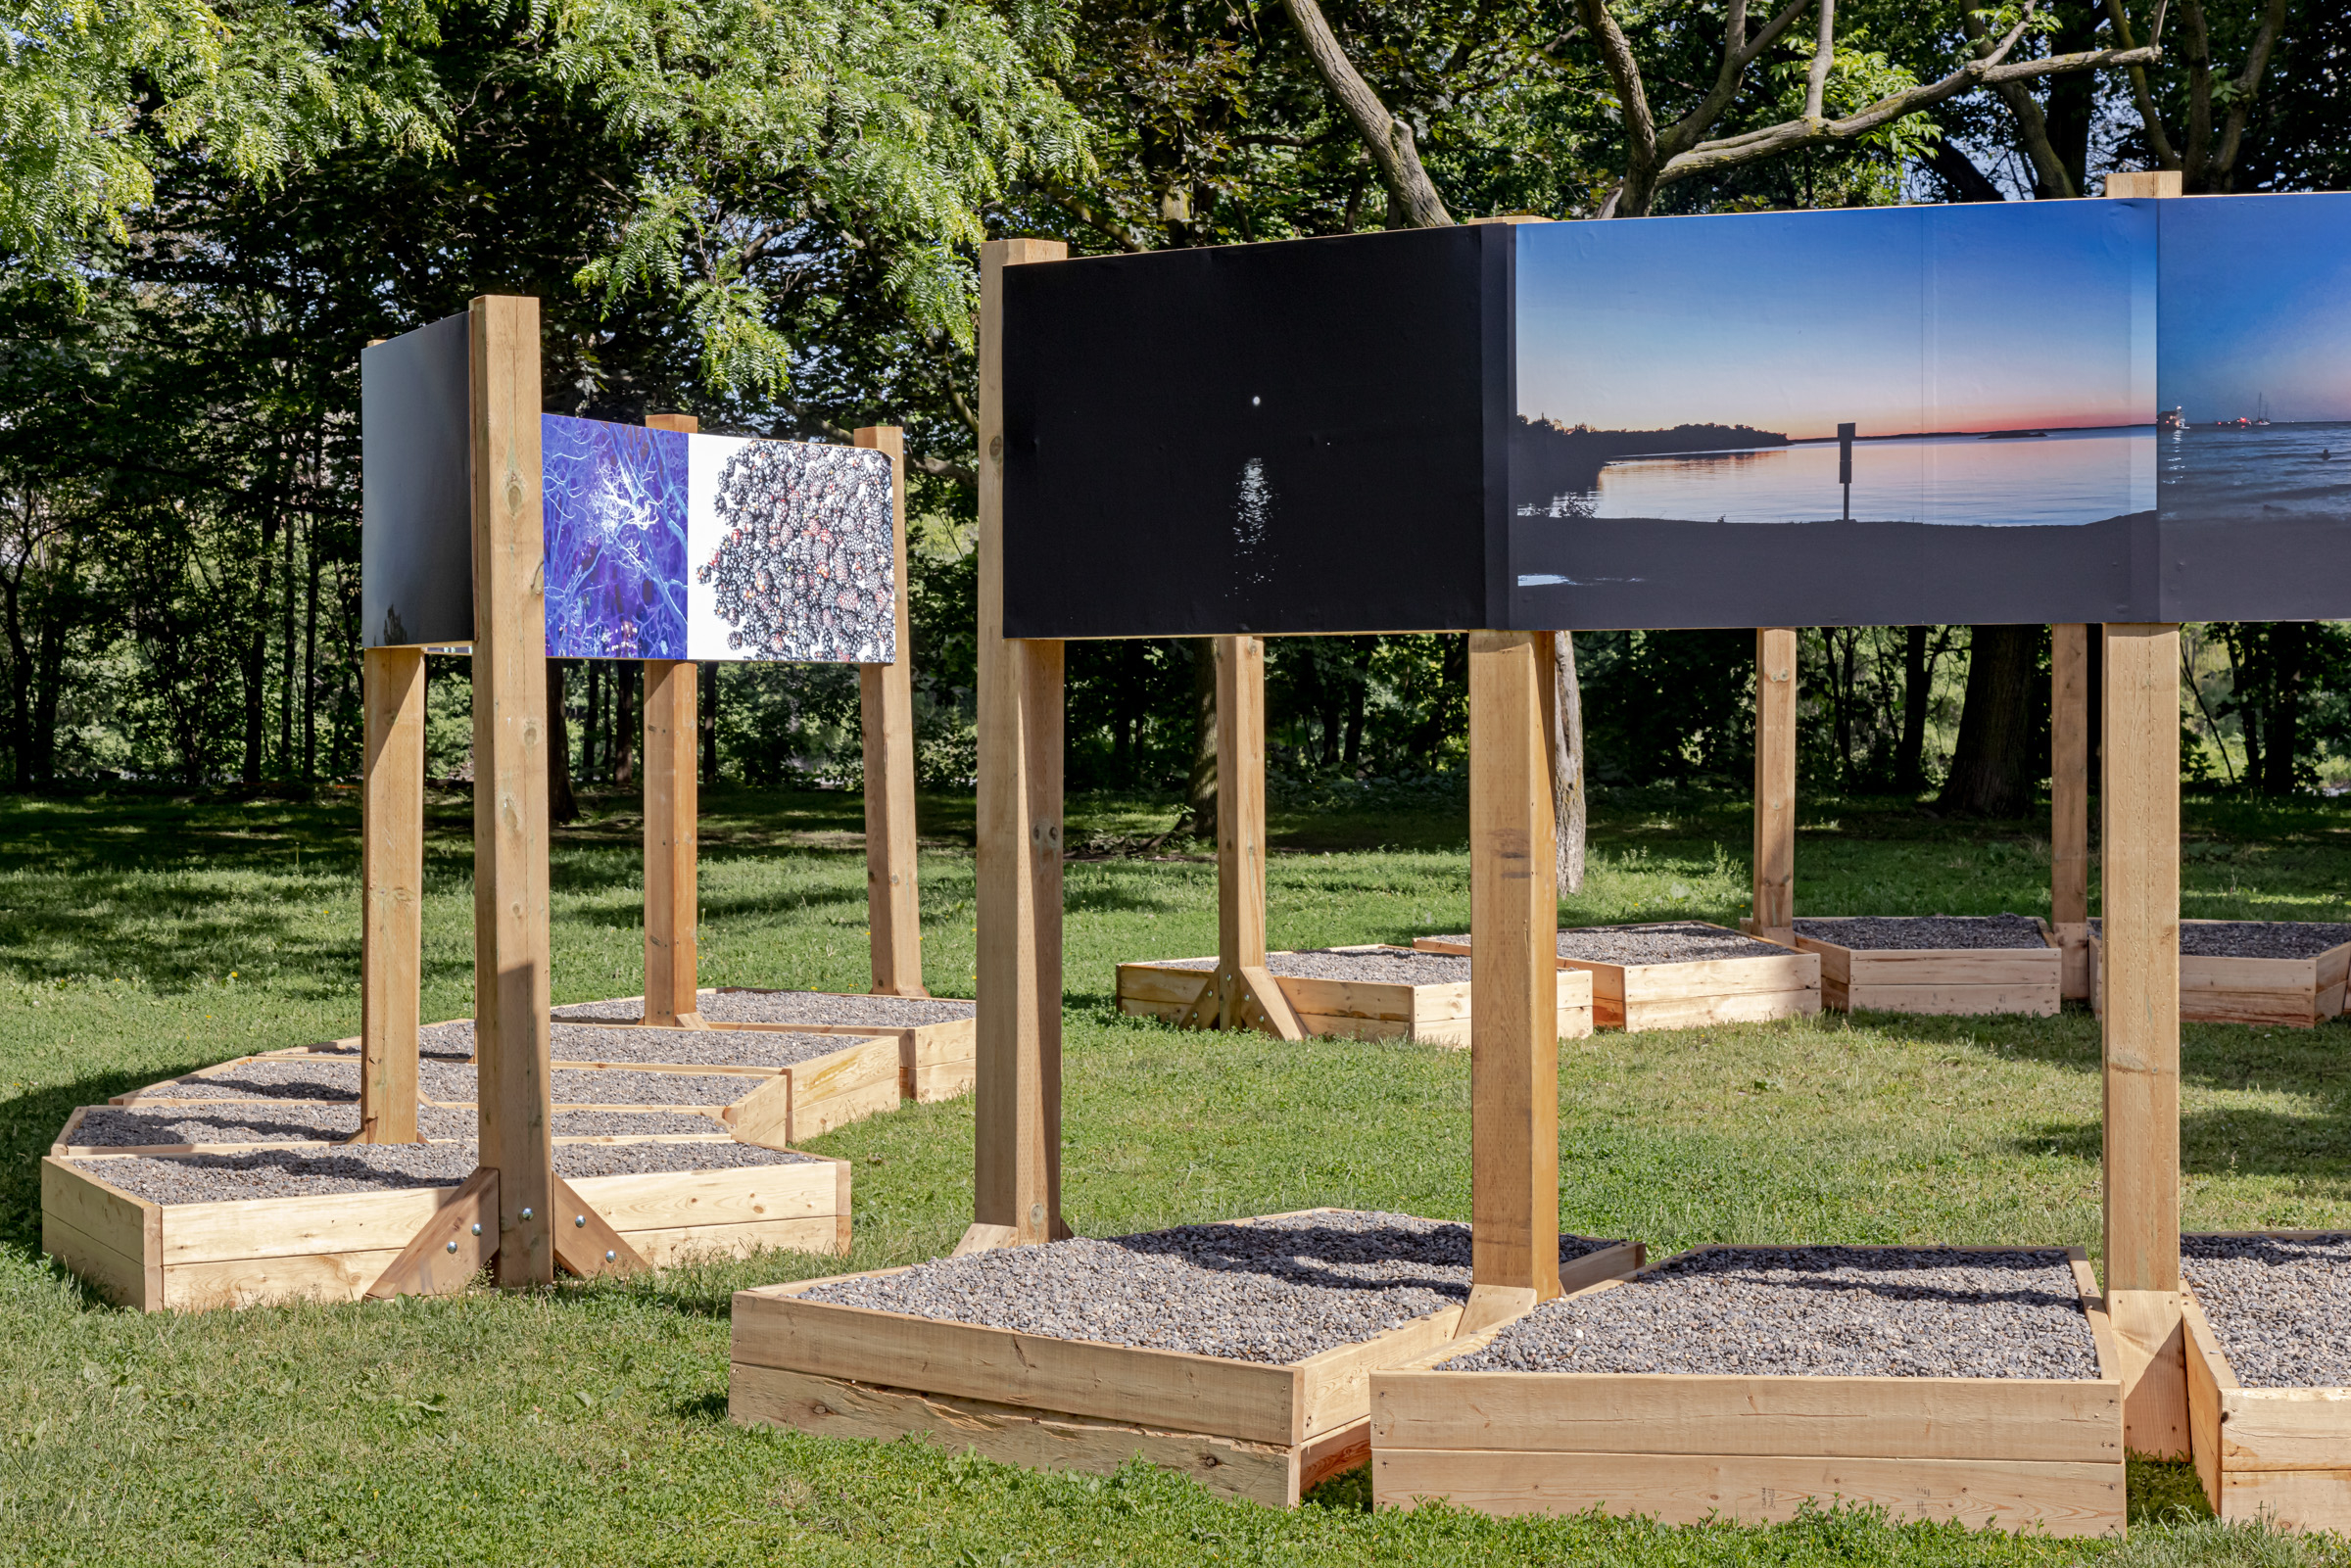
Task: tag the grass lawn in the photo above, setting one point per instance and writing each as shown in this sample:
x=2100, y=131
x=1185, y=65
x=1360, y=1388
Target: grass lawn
x=141, y=938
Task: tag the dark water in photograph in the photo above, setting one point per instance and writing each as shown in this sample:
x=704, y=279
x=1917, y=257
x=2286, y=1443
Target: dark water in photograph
x=2270, y=471
x=2065, y=477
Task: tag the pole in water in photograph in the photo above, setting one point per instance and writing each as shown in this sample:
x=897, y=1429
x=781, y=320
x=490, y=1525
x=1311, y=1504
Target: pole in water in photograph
x=1844, y=466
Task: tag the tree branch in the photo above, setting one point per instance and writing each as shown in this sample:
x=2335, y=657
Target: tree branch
x=1738, y=52
x=2158, y=142
x=1632, y=100
x=2240, y=102
x=1824, y=52
x=1389, y=140
x=2049, y=176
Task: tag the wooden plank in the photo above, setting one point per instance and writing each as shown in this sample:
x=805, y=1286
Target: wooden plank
x=876, y=1061
x=392, y=892
x=2207, y=1375
x=1774, y=917
x=2281, y=1429
x=1817, y=1417
x=2145, y=184
x=270, y=1281
x=585, y=1243
x=827, y=1235
x=666, y=1200
x=118, y=1276
x=1697, y=1012
x=108, y=1216
x=298, y=1227
x=509, y=792
x=1017, y=1114
x=1336, y=1387
x=2071, y=1500
x=2069, y=794
x=1513, y=913
x=1722, y=976
x=940, y=1080
x=449, y=1249
x=1168, y=1388
x=2288, y=1499
x=2037, y=1001
x=1954, y=967
x=2147, y=1330
x=1266, y=1473
x=886, y=717
x=819, y=1114
x=672, y=806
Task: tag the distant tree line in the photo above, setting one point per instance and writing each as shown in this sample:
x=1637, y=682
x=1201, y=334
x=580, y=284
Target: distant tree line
x=766, y=217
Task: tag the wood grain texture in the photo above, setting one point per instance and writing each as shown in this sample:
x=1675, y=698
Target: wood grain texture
x=585, y=1240
x=449, y=1249
x=885, y=719
x=826, y=1235
x=1513, y=917
x=1246, y=995
x=392, y=892
x=2145, y=184
x=2207, y=1375
x=296, y=1227
x=672, y=808
x=2069, y=788
x=511, y=1025
x=1774, y=914
x=669, y=1200
x=1016, y=1111
x=2071, y=1500
x=2148, y=1332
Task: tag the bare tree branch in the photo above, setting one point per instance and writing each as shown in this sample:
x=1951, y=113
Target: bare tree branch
x=2158, y=142
x=1632, y=101
x=2240, y=100
x=1824, y=52
x=1388, y=139
x=2032, y=125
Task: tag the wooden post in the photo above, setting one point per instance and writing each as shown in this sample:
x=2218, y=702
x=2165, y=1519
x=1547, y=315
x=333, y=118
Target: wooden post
x=1514, y=981
x=392, y=875
x=2145, y=183
x=2068, y=804
x=1016, y=1105
x=1774, y=919
x=2140, y=799
x=894, y=908
x=1242, y=993
x=672, y=808
x=509, y=785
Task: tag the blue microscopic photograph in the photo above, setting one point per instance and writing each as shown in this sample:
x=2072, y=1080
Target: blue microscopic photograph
x=616, y=519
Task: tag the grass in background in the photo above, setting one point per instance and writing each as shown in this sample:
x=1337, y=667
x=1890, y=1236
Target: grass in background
x=586, y=1425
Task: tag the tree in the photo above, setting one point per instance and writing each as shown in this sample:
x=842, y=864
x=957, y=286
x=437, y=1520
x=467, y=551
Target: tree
x=1998, y=755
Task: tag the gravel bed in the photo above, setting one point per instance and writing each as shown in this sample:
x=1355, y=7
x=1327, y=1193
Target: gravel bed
x=2279, y=1306
x=716, y=1048
x=1277, y=1292
x=322, y=1077
x=617, y=1123
x=2256, y=938
x=1913, y=933
x=731, y=1006
x=454, y=1083
x=130, y=1126
x=1817, y=1311
x=1391, y=966
x=1683, y=942
x=392, y=1167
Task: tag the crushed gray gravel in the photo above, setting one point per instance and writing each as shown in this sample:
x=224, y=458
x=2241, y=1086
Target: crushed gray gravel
x=1387, y=966
x=336, y=1080
x=1816, y=1311
x=579, y=1086
x=619, y=1123
x=2255, y=938
x=1923, y=932
x=390, y=1168
x=714, y=1048
x=750, y=1006
x=2279, y=1306
x=262, y=1122
x=1275, y=1292
x=320, y=1077
x=1680, y=942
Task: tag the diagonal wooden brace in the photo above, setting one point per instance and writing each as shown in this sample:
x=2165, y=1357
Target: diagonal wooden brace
x=586, y=1244
x=1258, y=1003
x=454, y=1245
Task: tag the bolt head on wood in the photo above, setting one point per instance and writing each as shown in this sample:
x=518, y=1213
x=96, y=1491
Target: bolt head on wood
x=580, y=1220
x=610, y=1256
x=477, y=1227
x=452, y=1245
x=526, y=1213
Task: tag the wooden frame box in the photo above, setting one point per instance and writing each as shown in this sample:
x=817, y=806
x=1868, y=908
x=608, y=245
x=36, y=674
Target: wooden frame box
x=935, y=1061
x=1941, y=979
x=1685, y=1447
x=2283, y=1454
x=1356, y=1010
x=1689, y=995
x=254, y=1251
x=2295, y=993
x=1247, y=1429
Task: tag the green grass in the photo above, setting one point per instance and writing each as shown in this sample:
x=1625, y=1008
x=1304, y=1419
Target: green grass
x=139, y=937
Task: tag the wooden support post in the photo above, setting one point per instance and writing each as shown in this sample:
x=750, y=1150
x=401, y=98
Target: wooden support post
x=510, y=783
x=1016, y=1105
x=1514, y=981
x=1243, y=993
x=2138, y=797
x=894, y=908
x=392, y=876
x=672, y=808
x=2068, y=804
x=2145, y=183
x=1774, y=919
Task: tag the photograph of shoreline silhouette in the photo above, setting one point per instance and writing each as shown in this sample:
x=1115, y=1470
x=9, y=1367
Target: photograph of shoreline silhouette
x=2253, y=384
x=1814, y=417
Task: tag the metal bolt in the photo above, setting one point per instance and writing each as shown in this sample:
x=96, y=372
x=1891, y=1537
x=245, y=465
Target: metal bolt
x=452, y=1245
x=581, y=1221
x=526, y=1213
x=477, y=1227
x=611, y=1257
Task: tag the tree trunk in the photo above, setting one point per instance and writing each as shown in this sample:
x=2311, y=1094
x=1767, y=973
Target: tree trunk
x=1200, y=788
x=1567, y=763
x=624, y=722
x=706, y=721
x=20, y=678
x=285, y=683
x=55, y=630
x=310, y=665
x=1910, y=756
x=2288, y=643
x=561, y=806
x=256, y=657
x=1996, y=761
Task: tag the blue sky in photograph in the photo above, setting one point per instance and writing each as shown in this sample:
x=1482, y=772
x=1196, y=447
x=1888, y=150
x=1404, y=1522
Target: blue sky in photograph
x=1990, y=316
x=2255, y=303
